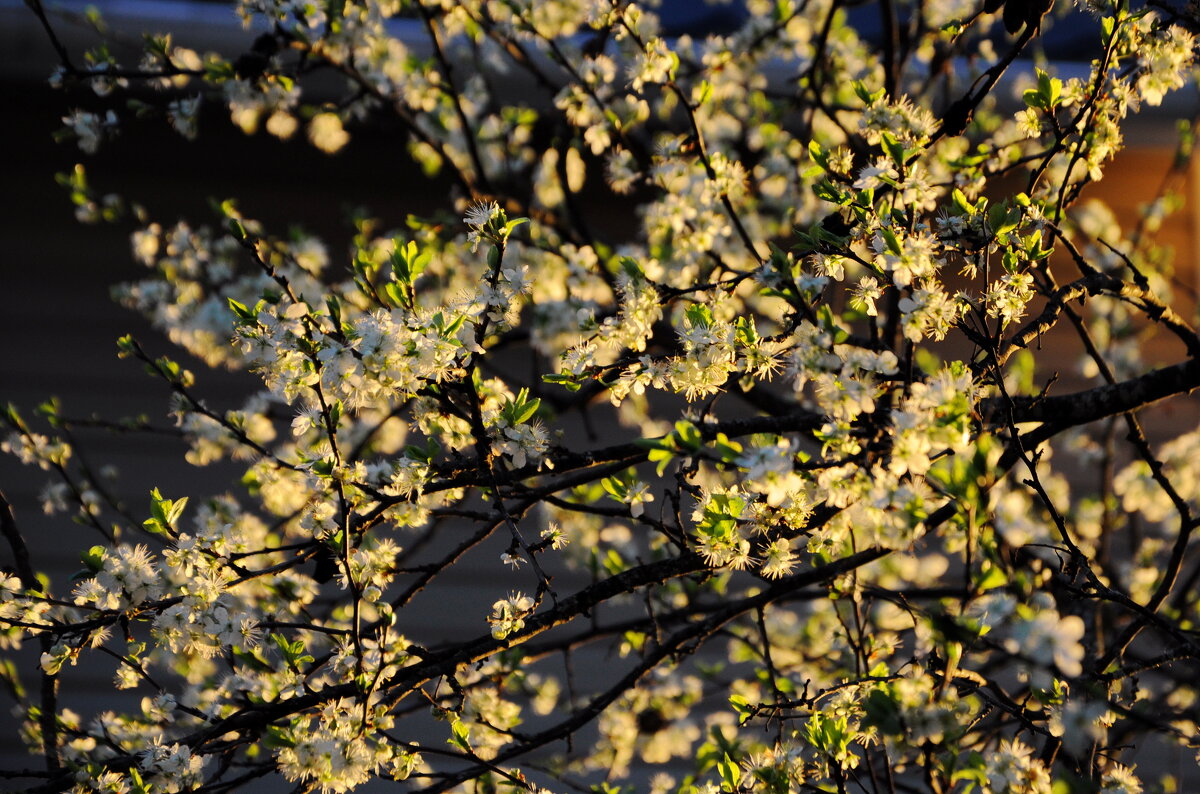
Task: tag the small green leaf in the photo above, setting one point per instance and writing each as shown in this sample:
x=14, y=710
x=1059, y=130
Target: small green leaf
x=992, y=578
x=893, y=243
x=699, y=315
x=566, y=381
x=176, y=510
x=731, y=773
x=93, y=558
x=514, y=223
x=527, y=411
x=460, y=734
x=614, y=487
x=278, y=737
x=244, y=314
x=688, y=435
x=818, y=155
x=960, y=201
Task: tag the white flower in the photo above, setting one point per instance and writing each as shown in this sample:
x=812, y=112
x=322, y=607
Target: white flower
x=1046, y=638
x=555, y=536
x=508, y=615
x=636, y=497
x=778, y=559
x=282, y=124
x=1078, y=722
x=306, y=420
x=90, y=129
x=171, y=768
x=1120, y=780
x=864, y=294
x=184, y=114
x=1012, y=769
x=874, y=175
x=478, y=216
x=656, y=63
x=325, y=132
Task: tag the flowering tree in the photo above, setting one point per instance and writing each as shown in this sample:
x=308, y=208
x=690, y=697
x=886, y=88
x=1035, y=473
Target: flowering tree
x=821, y=537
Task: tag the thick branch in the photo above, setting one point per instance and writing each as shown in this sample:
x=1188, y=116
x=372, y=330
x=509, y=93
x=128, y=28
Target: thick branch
x=1069, y=410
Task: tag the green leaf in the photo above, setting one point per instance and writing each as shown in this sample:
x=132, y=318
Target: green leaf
x=514, y=223
x=632, y=268
x=818, y=155
x=726, y=448
x=156, y=506
x=731, y=773
x=614, y=487
x=126, y=346
x=460, y=734
x=139, y=785
x=566, y=381
x=452, y=328
x=395, y=294
x=176, y=510
x=93, y=558
x=612, y=562
x=893, y=147
x=826, y=191
x=662, y=458
x=893, y=243
x=745, y=331
x=11, y=679
x=293, y=652
x=960, y=201
x=1108, y=25
x=868, y=97
x=1049, y=88
x=688, y=435
x=164, y=513
x=829, y=322
x=742, y=707
x=278, y=737
x=991, y=578
x=699, y=315
x=527, y=411
x=243, y=313
x=335, y=308
x=635, y=639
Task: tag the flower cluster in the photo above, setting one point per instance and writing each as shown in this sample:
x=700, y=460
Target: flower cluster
x=729, y=345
